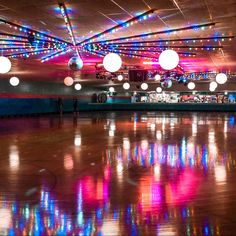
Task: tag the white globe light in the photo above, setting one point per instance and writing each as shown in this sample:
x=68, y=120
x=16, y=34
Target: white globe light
x=112, y=62
x=221, y=78
x=68, y=81
x=212, y=89
x=157, y=77
x=191, y=85
x=120, y=77
x=144, y=86
x=126, y=85
x=159, y=89
x=169, y=59
x=5, y=65
x=5, y=219
x=78, y=86
x=111, y=90
x=213, y=84
x=14, y=81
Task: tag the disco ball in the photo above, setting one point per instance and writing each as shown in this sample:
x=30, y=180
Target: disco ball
x=75, y=63
x=166, y=84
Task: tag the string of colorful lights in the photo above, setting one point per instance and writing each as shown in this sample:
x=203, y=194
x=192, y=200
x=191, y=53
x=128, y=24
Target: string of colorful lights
x=182, y=40
x=126, y=24
x=155, y=34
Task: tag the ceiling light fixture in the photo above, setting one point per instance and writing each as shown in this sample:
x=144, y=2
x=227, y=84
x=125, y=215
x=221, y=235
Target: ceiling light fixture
x=191, y=85
x=68, y=81
x=126, y=85
x=158, y=89
x=111, y=90
x=144, y=86
x=14, y=81
x=5, y=65
x=112, y=62
x=221, y=78
x=78, y=86
x=120, y=77
x=169, y=59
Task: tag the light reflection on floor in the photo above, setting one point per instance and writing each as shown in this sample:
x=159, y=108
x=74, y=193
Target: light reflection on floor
x=118, y=174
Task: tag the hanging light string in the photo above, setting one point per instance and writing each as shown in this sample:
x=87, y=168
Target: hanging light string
x=157, y=46
x=25, y=38
x=55, y=54
x=153, y=48
x=28, y=53
x=126, y=24
x=33, y=32
x=192, y=27
x=134, y=51
x=103, y=53
x=182, y=40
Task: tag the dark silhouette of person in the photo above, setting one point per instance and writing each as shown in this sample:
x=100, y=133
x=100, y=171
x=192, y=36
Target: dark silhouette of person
x=60, y=106
x=75, y=106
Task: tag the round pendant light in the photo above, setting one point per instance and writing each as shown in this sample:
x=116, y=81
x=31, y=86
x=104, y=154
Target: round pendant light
x=126, y=85
x=78, y=86
x=112, y=62
x=157, y=77
x=120, y=77
x=169, y=59
x=14, y=81
x=68, y=81
x=213, y=84
x=144, y=86
x=221, y=78
x=191, y=85
x=212, y=89
x=111, y=90
x=158, y=89
x=5, y=65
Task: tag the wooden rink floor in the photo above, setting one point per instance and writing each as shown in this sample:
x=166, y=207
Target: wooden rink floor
x=119, y=173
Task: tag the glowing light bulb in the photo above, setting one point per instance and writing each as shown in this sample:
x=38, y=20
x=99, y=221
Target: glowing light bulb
x=14, y=81
x=144, y=86
x=78, y=86
x=221, y=78
x=120, y=77
x=126, y=85
x=68, y=81
x=158, y=89
x=191, y=85
x=111, y=90
x=112, y=62
x=5, y=65
x=169, y=59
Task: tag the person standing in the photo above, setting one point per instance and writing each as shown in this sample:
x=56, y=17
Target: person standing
x=60, y=106
x=75, y=106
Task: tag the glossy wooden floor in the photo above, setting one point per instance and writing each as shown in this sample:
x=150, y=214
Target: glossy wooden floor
x=118, y=174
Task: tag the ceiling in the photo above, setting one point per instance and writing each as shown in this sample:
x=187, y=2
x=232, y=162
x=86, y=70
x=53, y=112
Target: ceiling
x=89, y=17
